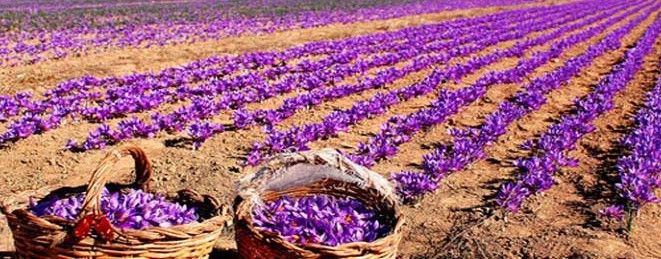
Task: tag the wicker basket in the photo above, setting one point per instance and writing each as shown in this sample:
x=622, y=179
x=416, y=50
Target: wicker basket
x=52, y=237
x=307, y=173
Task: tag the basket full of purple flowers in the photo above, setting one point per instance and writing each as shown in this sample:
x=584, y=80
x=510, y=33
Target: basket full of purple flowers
x=102, y=220
x=316, y=204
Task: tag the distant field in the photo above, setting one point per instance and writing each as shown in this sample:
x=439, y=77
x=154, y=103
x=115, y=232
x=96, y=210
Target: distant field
x=511, y=129
x=34, y=31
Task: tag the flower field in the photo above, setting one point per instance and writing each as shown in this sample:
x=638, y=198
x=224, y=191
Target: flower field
x=509, y=129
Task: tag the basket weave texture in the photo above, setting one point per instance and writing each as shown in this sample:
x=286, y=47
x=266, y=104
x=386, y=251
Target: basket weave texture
x=52, y=237
x=308, y=173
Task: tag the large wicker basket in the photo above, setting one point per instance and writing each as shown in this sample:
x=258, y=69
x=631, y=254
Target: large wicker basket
x=307, y=173
x=52, y=237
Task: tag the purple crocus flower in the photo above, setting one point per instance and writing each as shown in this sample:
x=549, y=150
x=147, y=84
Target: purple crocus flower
x=614, y=212
x=320, y=219
x=132, y=209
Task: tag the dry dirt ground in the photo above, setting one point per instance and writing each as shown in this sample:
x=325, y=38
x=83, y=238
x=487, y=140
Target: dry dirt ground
x=456, y=221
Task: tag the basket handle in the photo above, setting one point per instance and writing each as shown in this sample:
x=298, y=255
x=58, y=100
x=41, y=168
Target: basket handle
x=101, y=175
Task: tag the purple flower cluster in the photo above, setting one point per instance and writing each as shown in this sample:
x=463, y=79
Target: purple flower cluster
x=613, y=212
x=34, y=31
x=469, y=144
x=411, y=185
x=133, y=209
x=201, y=131
x=298, y=137
x=105, y=135
x=550, y=149
x=320, y=219
x=29, y=125
x=640, y=170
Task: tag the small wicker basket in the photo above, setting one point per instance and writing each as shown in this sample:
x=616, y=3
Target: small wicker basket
x=308, y=173
x=52, y=237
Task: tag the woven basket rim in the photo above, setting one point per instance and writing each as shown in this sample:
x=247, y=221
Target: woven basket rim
x=243, y=204
x=18, y=204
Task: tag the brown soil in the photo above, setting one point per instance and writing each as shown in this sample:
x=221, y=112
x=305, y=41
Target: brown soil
x=456, y=221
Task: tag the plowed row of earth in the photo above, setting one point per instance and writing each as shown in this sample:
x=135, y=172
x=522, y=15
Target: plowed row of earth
x=456, y=221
